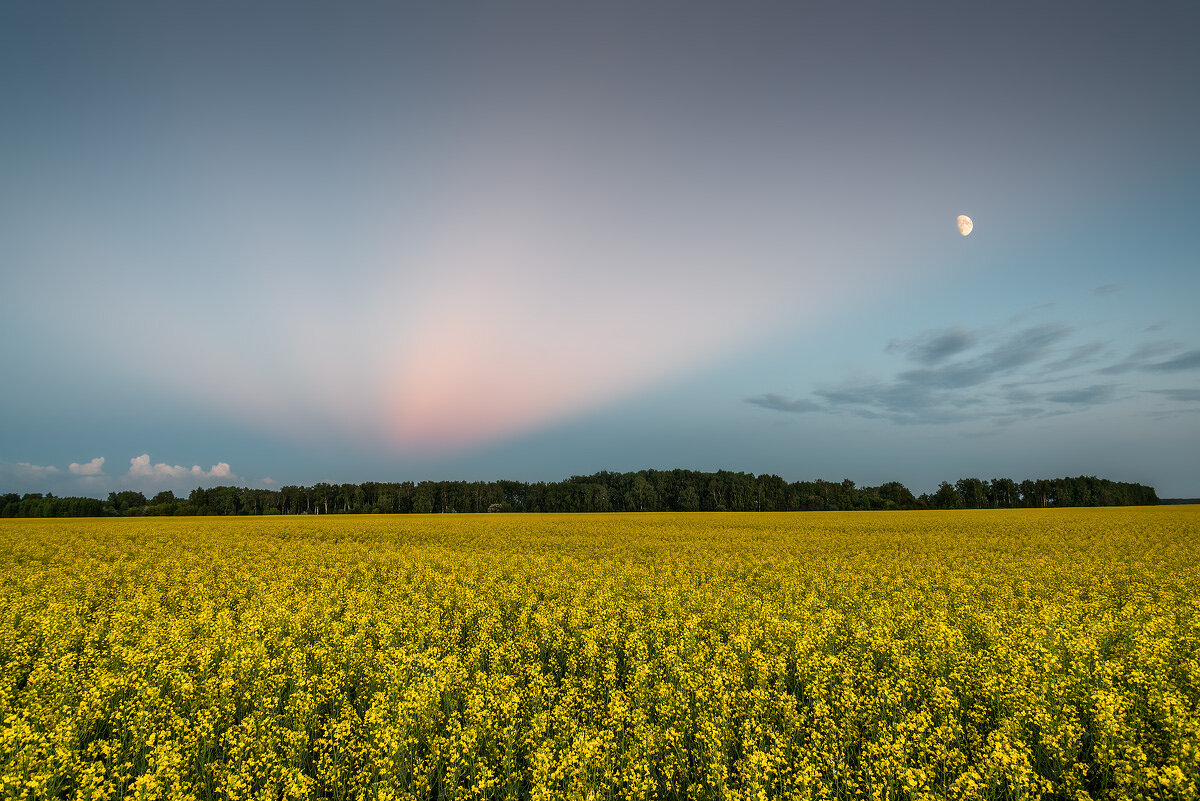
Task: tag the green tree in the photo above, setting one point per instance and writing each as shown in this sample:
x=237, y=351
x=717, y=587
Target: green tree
x=127, y=502
x=947, y=497
x=973, y=493
x=898, y=494
x=689, y=499
x=1003, y=492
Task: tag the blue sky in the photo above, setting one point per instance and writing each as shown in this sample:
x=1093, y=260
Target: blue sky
x=307, y=242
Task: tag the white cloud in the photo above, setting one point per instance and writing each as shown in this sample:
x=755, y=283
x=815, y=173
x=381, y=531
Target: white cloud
x=141, y=468
x=92, y=468
x=269, y=481
x=37, y=470
x=29, y=477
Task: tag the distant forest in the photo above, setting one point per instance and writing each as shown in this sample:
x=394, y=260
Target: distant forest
x=643, y=491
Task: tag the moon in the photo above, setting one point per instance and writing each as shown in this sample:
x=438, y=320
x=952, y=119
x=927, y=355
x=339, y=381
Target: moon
x=964, y=224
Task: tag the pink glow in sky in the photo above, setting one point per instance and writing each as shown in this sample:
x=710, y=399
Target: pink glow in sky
x=537, y=304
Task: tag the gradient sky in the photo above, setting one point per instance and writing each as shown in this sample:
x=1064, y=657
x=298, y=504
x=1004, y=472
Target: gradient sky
x=348, y=242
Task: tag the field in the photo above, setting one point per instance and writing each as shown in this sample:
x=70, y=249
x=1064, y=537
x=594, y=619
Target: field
x=989, y=654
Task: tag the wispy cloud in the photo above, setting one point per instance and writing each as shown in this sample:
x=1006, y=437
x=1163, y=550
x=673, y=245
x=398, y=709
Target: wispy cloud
x=1018, y=350
x=1084, y=396
x=951, y=392
x=779, y=403
x=1142, y=358
x=1078, y=356
x=1015, y=375
x=93, y=468
x=1171, y=414
x=1180, y=395
x=1025, y=315
x=901, y=401
x=1108, y=289
x=1184, y=361
x=933, y=347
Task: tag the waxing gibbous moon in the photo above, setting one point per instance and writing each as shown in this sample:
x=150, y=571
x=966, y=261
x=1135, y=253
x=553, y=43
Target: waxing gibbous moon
x=964, y=224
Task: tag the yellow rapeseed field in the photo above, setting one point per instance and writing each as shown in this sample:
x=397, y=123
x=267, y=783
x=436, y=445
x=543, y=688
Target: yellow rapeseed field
x=991, y=654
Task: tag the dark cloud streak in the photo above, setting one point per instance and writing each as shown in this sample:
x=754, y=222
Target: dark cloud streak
x=779, y=403
x=1140, y=360
x=1184, y=361
x=1020, y=349
x=1180, y=395
x=949, y=391
x=1084, y=396
x=934, y=347
x=1080, y=355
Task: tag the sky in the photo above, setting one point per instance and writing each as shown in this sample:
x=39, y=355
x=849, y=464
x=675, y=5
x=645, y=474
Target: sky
x=269, y=244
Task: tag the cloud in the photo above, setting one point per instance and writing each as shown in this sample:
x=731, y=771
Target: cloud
x=92, y=468
x=1140, y=358
x=270, y=482
x=1078, y=356
x=1018, y=350
x=1181, y=395
x=1084, y=396
x=1169, y=414
x=36, y=470
x=901, y=401
x=1017, y=393
x=141, y=468
x=1024, y=347
x=933, y=347
x=1108, y=289
x=28, y=477
x=779, y=403
x=1015, y=376
x=1015, y=373
x=1184, y=361
x=1025, y=315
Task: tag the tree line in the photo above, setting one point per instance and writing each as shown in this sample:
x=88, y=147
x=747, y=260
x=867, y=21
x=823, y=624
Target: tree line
x=641, y=491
